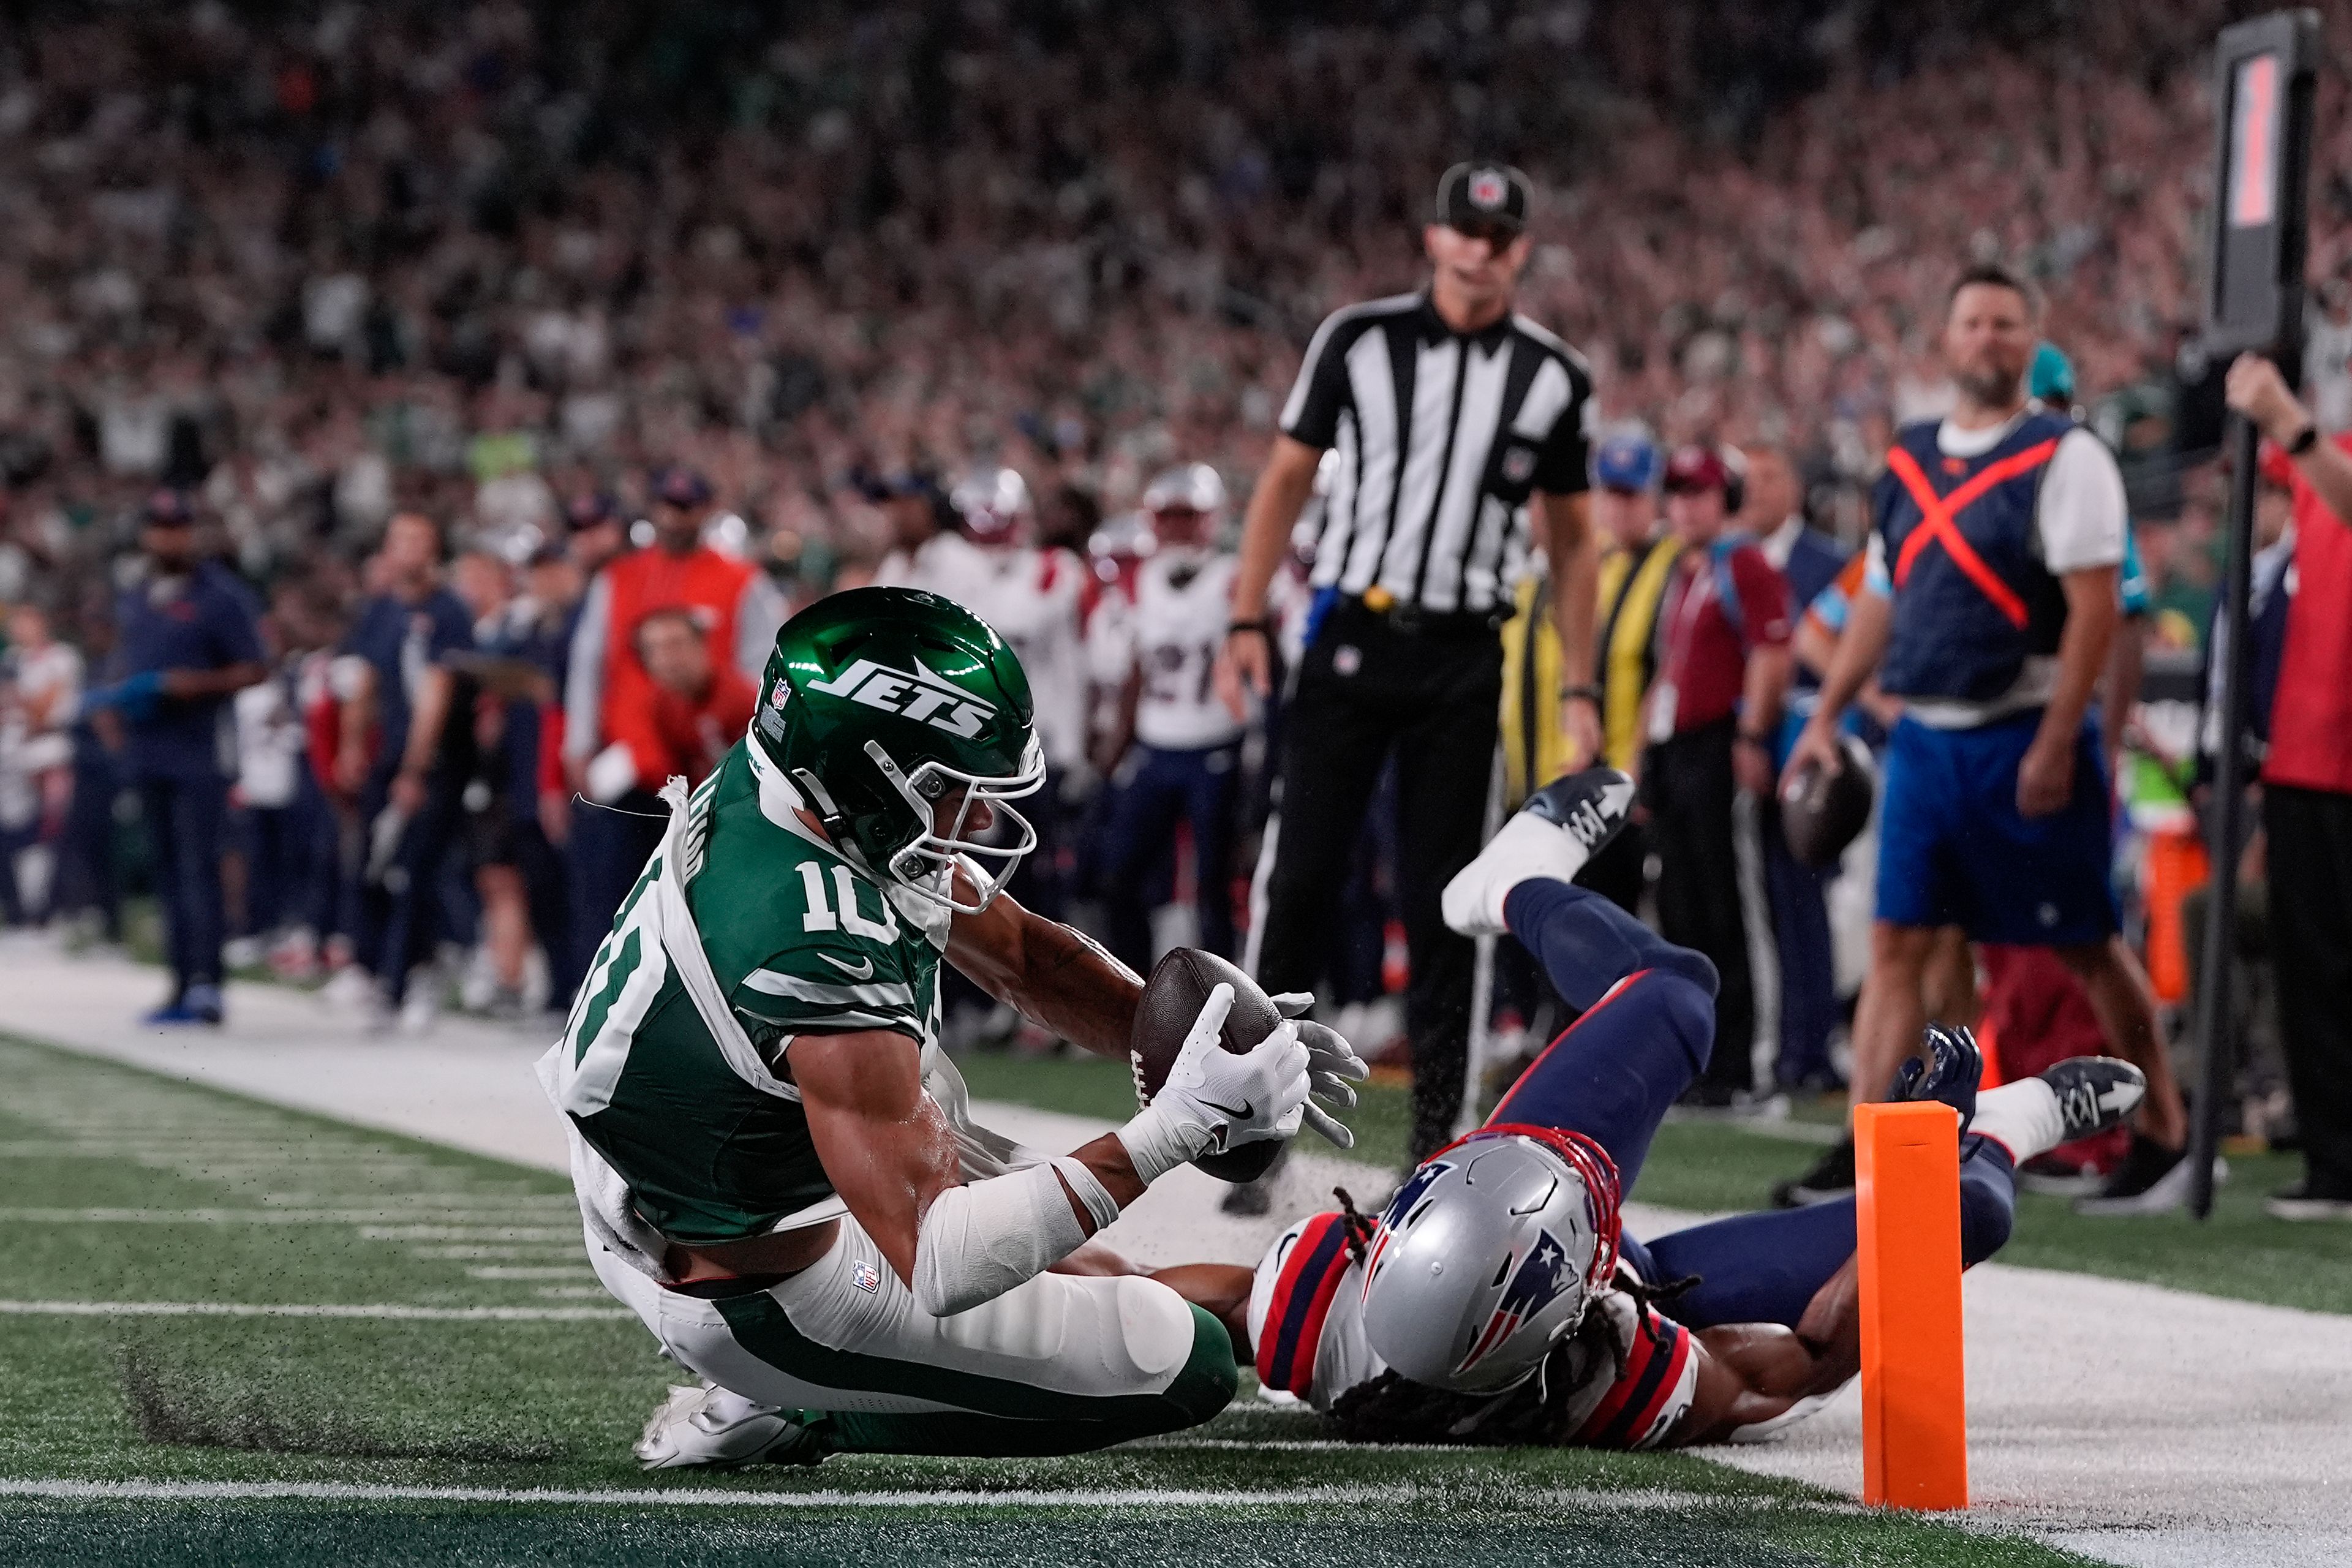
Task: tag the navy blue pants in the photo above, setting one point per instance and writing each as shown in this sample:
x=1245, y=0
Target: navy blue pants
x=1801, y=930
x=404, y=914
x=1648, y=1025
x=1163, y=788
x=188, y=823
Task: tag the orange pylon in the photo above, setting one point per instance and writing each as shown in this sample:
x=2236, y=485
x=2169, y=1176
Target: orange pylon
x=1914, y=1417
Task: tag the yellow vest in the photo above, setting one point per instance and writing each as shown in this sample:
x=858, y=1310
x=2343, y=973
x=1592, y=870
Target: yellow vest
x=1632, y=583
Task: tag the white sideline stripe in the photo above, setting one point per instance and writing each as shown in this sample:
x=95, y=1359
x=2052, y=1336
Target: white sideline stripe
x=579, y=1270
x=1638, y=1500
x=392, y=1310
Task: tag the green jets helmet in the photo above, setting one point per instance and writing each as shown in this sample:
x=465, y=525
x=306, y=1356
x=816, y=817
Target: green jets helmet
x=879, y=704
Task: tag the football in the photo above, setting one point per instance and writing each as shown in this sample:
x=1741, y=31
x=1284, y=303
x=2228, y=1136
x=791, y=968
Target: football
x=1821, y=813
x=1180, y=983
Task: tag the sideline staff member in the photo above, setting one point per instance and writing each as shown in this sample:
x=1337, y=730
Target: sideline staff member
x=1989, y=606
x=188, y=642
x=1452, y=419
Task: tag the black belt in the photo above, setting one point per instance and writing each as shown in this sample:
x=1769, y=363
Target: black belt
x=1415, y=621
x=734, y=1285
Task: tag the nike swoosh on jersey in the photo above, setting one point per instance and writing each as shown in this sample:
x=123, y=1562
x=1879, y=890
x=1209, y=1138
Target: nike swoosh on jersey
x=861, y=970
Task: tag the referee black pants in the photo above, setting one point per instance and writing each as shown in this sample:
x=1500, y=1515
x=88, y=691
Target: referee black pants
x=1366, y=690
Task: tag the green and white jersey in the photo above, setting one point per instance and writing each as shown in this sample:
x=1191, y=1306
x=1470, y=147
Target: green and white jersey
x=708, y=1134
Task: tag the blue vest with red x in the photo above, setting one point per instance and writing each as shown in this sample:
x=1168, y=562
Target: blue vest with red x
x=1972, y=599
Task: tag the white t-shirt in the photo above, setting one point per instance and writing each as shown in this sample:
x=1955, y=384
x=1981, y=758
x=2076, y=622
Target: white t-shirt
x=271, y=745
x=1172, y=634
x=2081, y=521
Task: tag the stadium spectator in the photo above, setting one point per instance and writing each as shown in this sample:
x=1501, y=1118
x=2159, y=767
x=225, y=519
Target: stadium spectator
x=1711, y=716
x=611, y=754
x=1987, y=606
x=187, y=643
x=408, y=797
x=2307, y=796
x=701, y=707
x=40, y=695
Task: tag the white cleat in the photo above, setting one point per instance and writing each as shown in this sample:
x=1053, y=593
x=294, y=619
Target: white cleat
x=1561, y=826
x=719, y=1428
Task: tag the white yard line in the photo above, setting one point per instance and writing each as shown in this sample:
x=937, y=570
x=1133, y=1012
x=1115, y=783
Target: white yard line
x=352, y=1492
x=1633, y=1500
x=392, y=1311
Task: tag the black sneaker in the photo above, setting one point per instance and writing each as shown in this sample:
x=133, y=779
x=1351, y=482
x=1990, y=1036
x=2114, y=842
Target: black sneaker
x=2152, y=1179
x=1830, y=1178
x=2314, y=1198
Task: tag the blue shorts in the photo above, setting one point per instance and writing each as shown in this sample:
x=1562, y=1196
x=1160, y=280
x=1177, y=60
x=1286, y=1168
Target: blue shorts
x=1953, y=850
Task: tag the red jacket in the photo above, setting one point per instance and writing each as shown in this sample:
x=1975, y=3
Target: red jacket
x=709, y=584
x=2311, y=716
x=693, y=737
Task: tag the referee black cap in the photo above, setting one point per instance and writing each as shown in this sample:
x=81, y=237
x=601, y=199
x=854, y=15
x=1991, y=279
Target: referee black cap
x=1477, y=197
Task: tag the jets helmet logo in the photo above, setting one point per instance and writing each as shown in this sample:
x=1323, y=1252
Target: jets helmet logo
x=925, y=694
x=1487, y=190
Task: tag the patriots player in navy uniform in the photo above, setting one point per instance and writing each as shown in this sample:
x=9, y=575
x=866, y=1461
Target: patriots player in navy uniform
x=1511, y=1306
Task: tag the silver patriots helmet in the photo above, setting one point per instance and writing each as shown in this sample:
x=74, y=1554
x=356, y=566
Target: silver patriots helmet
x=1488, y=1255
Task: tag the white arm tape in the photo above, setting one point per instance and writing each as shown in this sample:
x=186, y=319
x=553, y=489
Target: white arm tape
x=981, y=1239
x=1101, y=1204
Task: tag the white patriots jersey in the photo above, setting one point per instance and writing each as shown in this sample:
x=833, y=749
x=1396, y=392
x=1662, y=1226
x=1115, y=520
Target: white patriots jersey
x=1307, y=1326
x=1035, y=600
x=1183, y=601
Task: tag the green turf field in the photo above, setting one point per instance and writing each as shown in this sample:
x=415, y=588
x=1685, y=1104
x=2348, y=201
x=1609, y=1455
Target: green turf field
x=231, y=1333
x=1714, y=1166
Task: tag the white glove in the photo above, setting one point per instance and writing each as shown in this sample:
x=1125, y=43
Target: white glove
x=1215, y=1101
x=1333, y=1065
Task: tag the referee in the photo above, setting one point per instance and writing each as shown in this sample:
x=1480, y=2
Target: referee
x=1453, y=420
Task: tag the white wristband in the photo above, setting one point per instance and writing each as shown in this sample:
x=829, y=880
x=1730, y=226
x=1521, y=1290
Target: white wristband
x=1157, y=1142
x=1088, y=1188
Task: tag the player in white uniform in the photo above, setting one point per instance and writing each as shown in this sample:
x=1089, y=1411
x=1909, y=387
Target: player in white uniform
x=1175, y=754
x=1036, y=600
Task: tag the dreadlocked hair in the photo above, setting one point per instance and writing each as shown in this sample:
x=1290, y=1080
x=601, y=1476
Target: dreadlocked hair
x=1359, y=1228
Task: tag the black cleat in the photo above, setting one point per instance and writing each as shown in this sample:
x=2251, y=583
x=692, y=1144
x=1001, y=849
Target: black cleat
x=1553, y=834
x=1594, y=805
x=2094, y=1093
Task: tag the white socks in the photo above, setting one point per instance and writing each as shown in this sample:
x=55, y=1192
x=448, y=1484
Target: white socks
x=1528, y=847
x=2022, y=1116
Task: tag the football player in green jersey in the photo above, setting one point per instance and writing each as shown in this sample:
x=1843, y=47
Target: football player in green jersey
x=775, y=1162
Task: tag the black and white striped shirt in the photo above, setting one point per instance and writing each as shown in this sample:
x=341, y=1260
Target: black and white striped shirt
x=1441, y=439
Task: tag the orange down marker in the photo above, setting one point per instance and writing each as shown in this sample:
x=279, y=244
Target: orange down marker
x=1914, y=1417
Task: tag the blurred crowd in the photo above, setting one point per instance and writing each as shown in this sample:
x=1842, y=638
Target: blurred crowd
x=503, y=267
